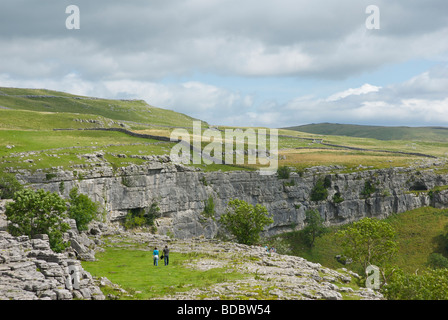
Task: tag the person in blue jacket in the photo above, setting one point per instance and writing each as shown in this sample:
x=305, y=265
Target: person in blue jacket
x=155, y=255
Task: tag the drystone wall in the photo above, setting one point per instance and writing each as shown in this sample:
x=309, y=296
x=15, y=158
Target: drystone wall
x=182, y=192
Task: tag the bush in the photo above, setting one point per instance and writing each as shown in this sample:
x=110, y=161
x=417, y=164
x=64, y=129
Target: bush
x=429, y=285
x=81, y=209
x=38, y=212
x=8, y=186
x=140, y=217
x=244, y=221
x=283, y=172
x=337, y=198
x=437, y=261
x=134, y=219
x=209, y=208
x=319, y=192
x=369, y=188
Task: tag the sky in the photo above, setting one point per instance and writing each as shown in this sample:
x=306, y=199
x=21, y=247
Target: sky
x=241, y=63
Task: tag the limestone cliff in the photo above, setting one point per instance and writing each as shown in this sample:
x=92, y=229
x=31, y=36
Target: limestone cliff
x=181, y=193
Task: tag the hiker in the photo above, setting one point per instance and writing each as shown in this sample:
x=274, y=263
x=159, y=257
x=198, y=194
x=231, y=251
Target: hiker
x=155, y=255
x=165, y=254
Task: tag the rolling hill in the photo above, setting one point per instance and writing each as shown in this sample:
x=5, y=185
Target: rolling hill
x=433, y=134
x=66, y=110
x=42, y=129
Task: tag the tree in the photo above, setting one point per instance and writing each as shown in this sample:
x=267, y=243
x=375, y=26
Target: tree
x=319, y=191
x=81, y=209
x=38, y=212
x=8, y=186
x=315, y=226
x=430, y=284
x=244, y=221
x=369, y=241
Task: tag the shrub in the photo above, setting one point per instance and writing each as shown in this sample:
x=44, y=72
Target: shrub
x=209, y=208
x=289, y=183
x=81, y=209
x=337, y=198
x=8, y=186
x=38, y=212
x=369, y=188
x=327, y=182
x=134, y=219
x=319, y=191
x=244, y=221
x=140, y=217
x=437, y=261
x=283, y=172
x=152, y=214
x=428, y=285
x=127, y=181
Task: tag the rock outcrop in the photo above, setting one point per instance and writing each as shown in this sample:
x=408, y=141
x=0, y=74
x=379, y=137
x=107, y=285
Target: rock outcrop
x=30, y=270
x=181, y=193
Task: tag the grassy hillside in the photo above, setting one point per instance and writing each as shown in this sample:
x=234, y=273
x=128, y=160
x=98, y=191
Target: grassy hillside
x=133, y=112
x=438, y=134
x=29, y=117
x=419, y=234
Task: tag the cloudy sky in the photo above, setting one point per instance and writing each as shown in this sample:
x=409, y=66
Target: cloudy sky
x=247, y=62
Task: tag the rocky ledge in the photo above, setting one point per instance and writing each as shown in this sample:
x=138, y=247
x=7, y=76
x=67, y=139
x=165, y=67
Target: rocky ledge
x=30, y=270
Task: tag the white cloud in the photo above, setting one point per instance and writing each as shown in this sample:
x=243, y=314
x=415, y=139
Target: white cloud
x=364, y=89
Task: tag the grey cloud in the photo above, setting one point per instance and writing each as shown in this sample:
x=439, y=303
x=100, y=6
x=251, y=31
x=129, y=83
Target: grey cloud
x=150, y=40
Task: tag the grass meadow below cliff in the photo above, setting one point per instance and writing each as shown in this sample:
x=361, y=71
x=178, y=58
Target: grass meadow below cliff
x=133, y=270
x=419, y=232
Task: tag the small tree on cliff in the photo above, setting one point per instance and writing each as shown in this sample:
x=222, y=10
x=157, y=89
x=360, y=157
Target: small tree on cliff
x=244, y=221
x=38, y=212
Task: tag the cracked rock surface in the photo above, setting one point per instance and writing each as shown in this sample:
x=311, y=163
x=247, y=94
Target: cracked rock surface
x=30, y=270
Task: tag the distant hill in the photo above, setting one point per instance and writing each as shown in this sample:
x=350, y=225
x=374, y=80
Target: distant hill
x=439, y=134
x=57, y=129
x=61, y=110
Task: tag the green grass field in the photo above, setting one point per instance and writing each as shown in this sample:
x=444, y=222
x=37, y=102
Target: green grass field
x=419, y=234
x=133, y=269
